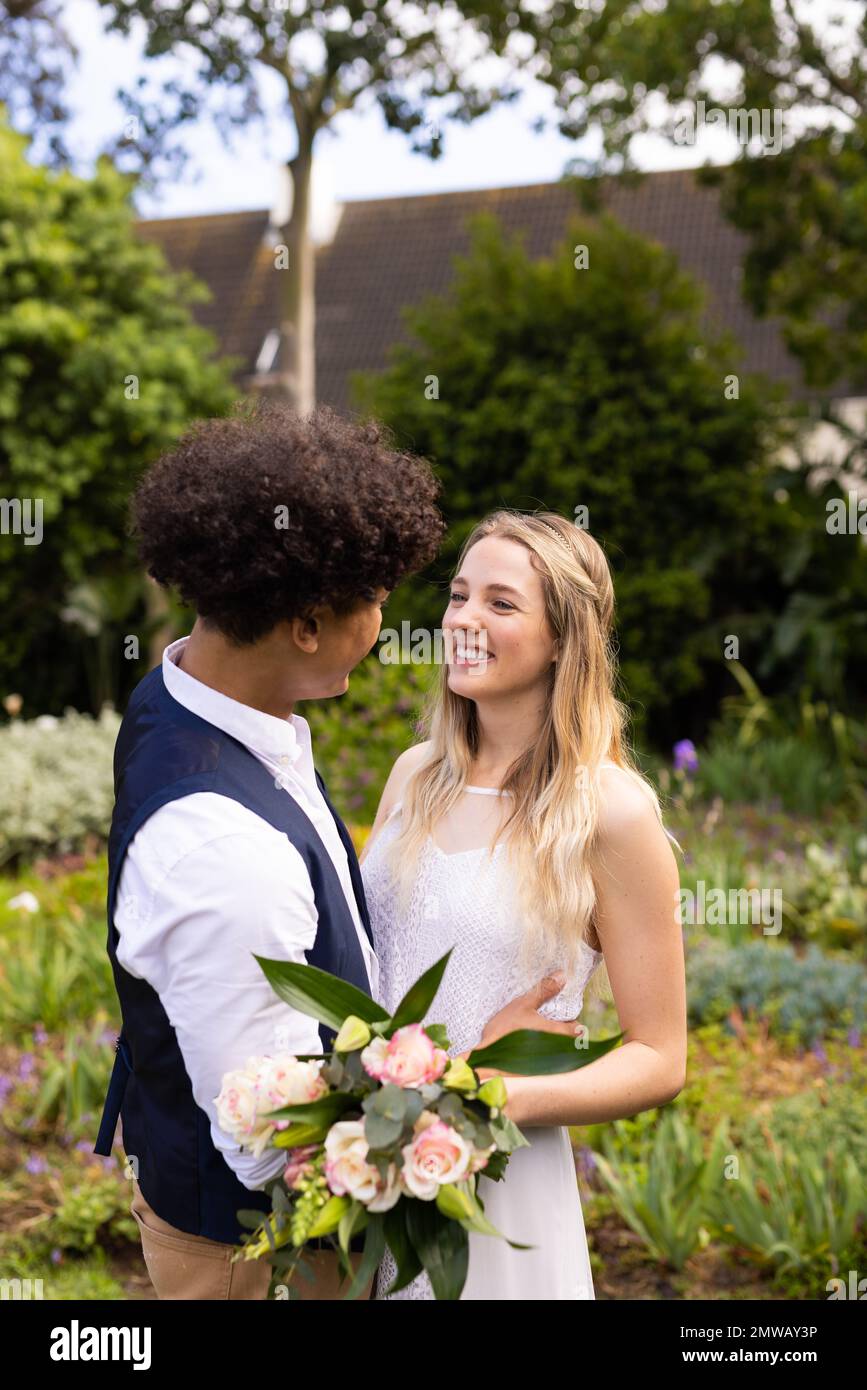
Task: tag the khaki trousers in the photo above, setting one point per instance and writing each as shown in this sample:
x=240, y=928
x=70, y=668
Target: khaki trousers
x=181, y=1265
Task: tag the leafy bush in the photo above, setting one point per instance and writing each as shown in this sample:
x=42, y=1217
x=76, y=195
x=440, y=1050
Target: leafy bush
x=806, y=755
x=103, y=368
x=56, y=783
x=95, y=1211
x=662, y=1196
x=804, y=998
x=74, y=1079
x=799, y=1210
x=567, y=388
x=834, y=1119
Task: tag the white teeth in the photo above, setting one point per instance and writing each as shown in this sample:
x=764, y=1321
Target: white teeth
x=473, y=654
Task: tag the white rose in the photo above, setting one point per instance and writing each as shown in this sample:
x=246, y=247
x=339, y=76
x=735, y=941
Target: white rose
x=283, y=1080
x=236, y=1105
x=346, y=1167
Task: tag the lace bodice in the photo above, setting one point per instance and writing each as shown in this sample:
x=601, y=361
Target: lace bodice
x=465, y=900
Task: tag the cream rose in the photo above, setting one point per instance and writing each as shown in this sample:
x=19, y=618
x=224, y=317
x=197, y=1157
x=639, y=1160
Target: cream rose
x=348, y=1172
x=263, y=1085
x=346, y=1167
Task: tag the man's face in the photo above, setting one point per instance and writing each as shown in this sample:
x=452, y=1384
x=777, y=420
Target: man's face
x=334, y=644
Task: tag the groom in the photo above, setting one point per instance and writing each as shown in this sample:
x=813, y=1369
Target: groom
x=286, y=535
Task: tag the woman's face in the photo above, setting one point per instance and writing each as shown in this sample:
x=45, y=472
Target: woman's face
x=499, y=640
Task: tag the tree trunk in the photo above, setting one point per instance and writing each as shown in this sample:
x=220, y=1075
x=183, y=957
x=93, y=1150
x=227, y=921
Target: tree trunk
x=161, y=627
x=293, y=375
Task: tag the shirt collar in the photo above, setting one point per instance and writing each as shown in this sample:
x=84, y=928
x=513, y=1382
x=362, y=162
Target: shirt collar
x=285, y=741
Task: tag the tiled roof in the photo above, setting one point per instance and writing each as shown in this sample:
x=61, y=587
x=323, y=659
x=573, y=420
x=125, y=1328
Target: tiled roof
x=388, y=252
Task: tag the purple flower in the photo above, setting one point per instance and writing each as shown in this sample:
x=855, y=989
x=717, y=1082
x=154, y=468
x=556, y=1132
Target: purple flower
x=83, y=1146
x=39, y=1035
x=25, y=1066
x=586, y=1162
x=853, y=1037
x=56, y=1255
x=35, y=1164
x=819, y=1052
x=685, y=756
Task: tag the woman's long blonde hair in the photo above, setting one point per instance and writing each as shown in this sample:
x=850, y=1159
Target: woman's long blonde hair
x=554, y=782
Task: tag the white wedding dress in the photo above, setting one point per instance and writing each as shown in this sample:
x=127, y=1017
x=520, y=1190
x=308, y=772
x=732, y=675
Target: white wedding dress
x=466, y=899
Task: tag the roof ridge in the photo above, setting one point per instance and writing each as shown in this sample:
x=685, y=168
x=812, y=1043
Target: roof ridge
x=513, y=187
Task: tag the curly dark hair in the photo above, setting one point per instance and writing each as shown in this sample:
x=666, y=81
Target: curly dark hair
x=264, y=515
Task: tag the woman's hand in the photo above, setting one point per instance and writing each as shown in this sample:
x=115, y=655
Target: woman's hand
x=523, y=1012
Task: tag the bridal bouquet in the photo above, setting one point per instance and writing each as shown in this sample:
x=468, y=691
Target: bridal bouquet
x=386, y=1134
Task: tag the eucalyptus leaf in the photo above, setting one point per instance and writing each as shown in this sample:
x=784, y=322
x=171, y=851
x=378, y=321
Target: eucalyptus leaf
x=381, y=1132
x=250, y=1219
x=507, y=1134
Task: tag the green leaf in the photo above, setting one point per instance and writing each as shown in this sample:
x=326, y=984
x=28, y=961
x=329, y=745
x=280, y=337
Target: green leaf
x=419, y=997
x=443, y=1246
x=351, y=1222
x=408, y=1263
x=507, y=1135
x=380, y=1131
x=317, y=993
x=532, y=1052
x=325, y=1110
x=252, y=1220
x=374, y=1249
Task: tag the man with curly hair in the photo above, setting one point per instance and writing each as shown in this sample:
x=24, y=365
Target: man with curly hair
x=285, y=534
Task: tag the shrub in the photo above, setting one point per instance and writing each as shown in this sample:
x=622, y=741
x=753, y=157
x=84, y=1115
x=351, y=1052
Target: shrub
x=56, y=783
x=804, y=998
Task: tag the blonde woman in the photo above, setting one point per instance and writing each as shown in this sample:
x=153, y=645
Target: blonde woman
x=521, y=834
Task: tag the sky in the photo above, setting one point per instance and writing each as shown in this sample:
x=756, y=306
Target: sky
x=361, y=159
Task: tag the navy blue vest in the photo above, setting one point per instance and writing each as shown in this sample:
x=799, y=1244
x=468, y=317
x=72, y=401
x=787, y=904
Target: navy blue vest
x=163, y=752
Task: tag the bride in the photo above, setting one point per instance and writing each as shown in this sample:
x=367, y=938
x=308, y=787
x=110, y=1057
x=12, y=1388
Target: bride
x=522, y=835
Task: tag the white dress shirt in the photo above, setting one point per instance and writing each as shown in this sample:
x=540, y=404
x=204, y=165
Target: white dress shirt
x=205, y=885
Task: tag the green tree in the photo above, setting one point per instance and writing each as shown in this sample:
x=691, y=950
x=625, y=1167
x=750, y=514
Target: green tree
x=36, y=59
x=798, y=187
x=102, y=367
x=540, y=384
x=409, y=59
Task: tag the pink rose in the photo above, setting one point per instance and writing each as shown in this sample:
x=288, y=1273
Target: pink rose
x=408, y=1058
x=437, y=1155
